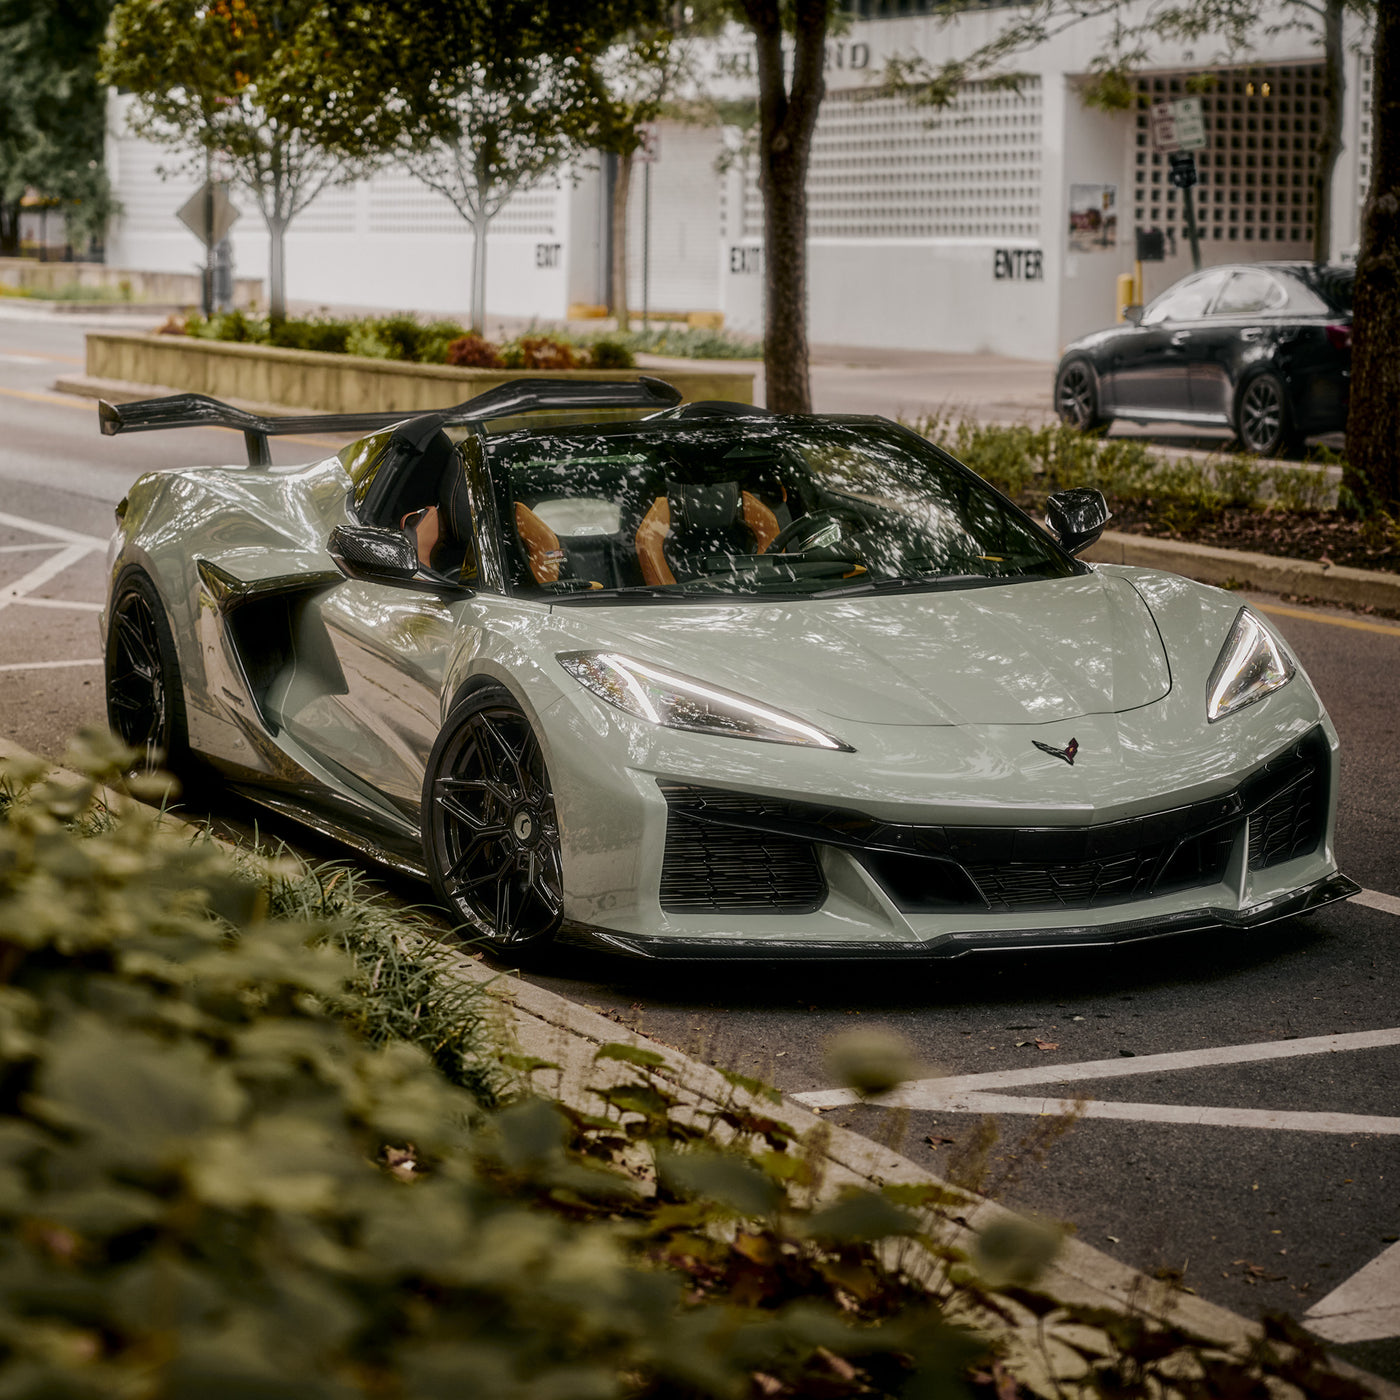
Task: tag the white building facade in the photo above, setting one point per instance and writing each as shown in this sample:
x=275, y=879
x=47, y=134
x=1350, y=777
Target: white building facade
x=998, y=224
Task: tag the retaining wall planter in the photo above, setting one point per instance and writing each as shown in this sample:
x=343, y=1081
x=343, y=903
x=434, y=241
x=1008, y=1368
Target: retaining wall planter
x=163, y=288
x=341, y=383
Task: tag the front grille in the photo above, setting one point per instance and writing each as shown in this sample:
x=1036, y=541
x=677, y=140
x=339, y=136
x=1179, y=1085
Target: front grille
x=712, y=867
x=728, y=850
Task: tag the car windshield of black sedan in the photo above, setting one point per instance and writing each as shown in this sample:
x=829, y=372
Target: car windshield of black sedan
x=771, y=507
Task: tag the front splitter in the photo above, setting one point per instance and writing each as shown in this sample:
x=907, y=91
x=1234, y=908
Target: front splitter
x=659, y=948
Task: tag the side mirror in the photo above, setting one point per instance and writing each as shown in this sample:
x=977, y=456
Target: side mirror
x=379, y=555
x=1133, y=314
x=1077, y=517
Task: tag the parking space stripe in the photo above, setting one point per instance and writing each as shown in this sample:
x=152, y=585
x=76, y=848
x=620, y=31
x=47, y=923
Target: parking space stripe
x=1374, y=899
x=1194, y=1115
x=1365, y=1308
x=50, y=665
x=53, y=532
x=918, y=1092
x=22, y=548
x=36, y=578
x=70, y=604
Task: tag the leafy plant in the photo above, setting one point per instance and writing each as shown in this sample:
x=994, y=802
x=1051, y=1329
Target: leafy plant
x=610, y=353
x=538, y=352
x=474, y=351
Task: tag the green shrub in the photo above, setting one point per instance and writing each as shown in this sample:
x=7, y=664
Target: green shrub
x=610, y=353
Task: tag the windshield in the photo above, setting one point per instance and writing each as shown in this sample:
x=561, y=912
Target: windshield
x=778, y=507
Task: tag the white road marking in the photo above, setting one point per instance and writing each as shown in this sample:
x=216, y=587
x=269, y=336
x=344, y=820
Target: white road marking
x=22, y=548
x=36, y=578
x=10, y=358
x=1190, y=1114
x=69, y=603
x=53, y=532
x=1365, y=1308
x=1374, y=899
x=50, y=665
x=914, y=1093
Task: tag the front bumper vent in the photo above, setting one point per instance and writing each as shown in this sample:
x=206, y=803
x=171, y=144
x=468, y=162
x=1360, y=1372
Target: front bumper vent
x=739, y=851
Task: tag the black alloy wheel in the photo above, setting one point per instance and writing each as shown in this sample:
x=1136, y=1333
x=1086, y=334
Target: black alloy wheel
x=1262, y=417
x=490, y=831
x=1077, y=396
x=145, y=697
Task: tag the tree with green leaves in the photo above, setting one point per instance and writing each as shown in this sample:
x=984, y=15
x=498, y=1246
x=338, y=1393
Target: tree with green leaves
x=1234, y=30
x=787, y=115
x=1372, y=472
x=651, y=73
x=52, y=113
x=290, y=97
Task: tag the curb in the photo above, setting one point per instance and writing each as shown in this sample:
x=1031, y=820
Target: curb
x=1264, y=573
x=567, y=1036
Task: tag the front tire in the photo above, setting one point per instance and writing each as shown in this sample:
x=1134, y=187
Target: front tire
x=490, y=830
x=1264, y=419
x=1077, y=396
x=145, y=693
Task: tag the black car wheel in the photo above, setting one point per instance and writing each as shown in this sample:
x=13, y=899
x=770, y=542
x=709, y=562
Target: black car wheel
x=1263, y=419
x=1077, y=396
x=490, y=832
x=145, y=697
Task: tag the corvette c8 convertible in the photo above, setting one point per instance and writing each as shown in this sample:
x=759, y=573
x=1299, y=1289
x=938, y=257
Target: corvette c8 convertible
x=705, y=681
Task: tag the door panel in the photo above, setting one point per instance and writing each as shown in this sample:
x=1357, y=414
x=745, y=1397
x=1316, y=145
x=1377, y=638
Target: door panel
x=1151, y=367
x=393, y=646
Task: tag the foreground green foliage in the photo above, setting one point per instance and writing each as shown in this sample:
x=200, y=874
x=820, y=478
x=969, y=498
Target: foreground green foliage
x=252, y=1145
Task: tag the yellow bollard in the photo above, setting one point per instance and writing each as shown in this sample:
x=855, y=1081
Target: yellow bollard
x=1125, y=295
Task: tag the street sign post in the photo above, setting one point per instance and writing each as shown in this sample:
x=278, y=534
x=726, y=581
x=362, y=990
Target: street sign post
x=647, y=154
x=1178, y=131
x=209, y=213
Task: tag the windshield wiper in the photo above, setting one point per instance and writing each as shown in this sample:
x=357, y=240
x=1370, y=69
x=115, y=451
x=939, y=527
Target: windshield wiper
x=892, y=583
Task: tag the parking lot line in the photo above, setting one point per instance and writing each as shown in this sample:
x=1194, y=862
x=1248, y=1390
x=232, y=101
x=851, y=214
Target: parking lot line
x=918, y=1092
x=1307, y=615
x=1374, y=899
x=50, y=665
x=53, y=532
x=36, y=578
x=60, y=603
x=1363, y=1309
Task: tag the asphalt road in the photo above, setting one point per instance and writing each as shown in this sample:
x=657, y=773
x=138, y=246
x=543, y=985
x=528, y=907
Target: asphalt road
x=1211, y=1171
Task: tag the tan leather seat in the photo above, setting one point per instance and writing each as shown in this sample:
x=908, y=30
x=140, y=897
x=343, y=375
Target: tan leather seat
x=543, y=551
x=656, y=526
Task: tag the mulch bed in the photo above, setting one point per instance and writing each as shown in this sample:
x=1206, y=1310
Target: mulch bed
x=1324, y=538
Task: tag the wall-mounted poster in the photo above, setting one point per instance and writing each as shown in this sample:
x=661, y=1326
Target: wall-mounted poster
x=1093, y=218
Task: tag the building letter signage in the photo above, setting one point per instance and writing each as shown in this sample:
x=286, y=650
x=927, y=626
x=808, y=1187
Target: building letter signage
x=547, y=254
x=742, y=259
x=1019, y=264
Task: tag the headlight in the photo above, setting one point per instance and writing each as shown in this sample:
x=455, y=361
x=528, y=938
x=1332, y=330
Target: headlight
x=1250, y=666
x=679, y=703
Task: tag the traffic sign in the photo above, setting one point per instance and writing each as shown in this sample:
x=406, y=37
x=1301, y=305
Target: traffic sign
x=1179, y=125
x=209, y=213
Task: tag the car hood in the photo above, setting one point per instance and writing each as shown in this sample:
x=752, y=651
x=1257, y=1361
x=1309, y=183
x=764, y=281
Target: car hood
x=1025, y=653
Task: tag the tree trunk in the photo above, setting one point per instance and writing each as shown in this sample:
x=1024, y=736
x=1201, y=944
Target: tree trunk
x=1329, y=141
x=480, y=226
x=786, y=119
x=277, y=269
x=9, y=229
x=622, y=187
x=1373, y=421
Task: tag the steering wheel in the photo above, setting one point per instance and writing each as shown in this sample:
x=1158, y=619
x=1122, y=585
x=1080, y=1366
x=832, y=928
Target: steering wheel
x=823, y=529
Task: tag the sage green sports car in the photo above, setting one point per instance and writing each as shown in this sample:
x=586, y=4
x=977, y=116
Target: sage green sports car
x=705, y=681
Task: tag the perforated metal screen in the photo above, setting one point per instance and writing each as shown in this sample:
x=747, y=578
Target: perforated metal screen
x=1262, y=126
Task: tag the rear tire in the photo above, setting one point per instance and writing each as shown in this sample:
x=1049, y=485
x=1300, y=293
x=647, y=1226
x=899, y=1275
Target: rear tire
x=490, y=830
x=1077, y=396
x=145, y=693
x=1264, y=419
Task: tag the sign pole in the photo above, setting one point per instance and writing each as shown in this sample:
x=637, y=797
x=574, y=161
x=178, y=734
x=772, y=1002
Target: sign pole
x=646, y=246
x=209, y=239
x=1191, y=231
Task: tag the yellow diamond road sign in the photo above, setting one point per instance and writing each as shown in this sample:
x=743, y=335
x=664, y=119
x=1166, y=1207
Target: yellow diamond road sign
x=208, y=213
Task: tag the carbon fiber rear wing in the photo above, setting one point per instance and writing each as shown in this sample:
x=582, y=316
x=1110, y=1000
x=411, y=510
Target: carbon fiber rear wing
x=504, y=401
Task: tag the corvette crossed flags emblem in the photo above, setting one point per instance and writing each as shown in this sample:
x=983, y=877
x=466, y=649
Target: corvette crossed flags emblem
x=1067, y=753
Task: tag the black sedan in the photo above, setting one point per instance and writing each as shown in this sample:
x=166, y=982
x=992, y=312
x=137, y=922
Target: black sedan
x=1264, y=348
